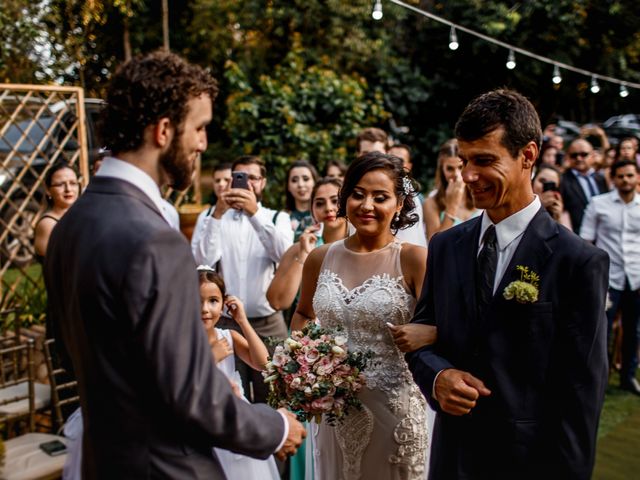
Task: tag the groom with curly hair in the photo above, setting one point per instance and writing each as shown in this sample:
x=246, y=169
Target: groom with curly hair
x=124, y=297
x=519, y=368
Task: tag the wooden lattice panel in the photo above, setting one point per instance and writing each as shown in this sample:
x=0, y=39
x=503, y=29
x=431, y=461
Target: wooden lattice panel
x=38, y=125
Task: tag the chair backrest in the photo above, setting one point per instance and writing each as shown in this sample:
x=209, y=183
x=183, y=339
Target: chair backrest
x=10, y=327
x=17, y=396
x=64, y=390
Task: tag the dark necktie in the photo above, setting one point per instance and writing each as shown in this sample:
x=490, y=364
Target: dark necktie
x=591, y=181
x=486, y=268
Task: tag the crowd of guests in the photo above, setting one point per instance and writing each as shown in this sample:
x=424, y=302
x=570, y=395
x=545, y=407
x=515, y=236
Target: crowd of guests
x=252, y=256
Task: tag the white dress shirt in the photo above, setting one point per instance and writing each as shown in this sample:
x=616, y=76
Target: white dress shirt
x=112, y=167
x=248, y=249
x=614, y=226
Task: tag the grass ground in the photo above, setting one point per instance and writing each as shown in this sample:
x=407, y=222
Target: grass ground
x=618, y=449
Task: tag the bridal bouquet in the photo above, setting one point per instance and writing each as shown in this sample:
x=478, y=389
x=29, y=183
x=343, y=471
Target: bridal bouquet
x=312, y=373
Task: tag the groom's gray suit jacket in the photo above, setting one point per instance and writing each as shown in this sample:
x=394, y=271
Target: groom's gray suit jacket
x=544, y=362
x=123, y=296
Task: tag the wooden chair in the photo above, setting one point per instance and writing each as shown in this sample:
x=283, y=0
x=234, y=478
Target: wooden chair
x=17, y=391
x=64, y=391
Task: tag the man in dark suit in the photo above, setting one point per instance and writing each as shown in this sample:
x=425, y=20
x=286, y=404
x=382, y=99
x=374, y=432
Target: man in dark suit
x=580, y=182
x=123, y=296
x=518, y=370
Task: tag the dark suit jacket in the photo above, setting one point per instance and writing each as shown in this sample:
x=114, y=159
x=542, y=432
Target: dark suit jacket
x=123, y=294
x=545, y=362
x=575, y=201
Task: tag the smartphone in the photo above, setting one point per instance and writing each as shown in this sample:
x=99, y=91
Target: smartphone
x=240, y=180
x=53, y=448
x=549, y=186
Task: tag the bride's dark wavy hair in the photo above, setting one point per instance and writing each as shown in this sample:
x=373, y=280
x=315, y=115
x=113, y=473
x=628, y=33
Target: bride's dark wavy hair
x=394, y=168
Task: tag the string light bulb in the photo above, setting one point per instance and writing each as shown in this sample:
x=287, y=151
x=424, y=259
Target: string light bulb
x=511, y=60
x=624, y=92
x=453, y=39
x=595, y=88
x=557, y=78
x=377, y=10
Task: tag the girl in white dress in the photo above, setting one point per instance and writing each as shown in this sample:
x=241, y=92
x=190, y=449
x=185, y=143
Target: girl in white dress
x=368, y=284
x=223, y=345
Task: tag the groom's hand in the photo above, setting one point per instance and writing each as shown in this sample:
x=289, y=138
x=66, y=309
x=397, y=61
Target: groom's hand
x=457, y=391
x=297, y=433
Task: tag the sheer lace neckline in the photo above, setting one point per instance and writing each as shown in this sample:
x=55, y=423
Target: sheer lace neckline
x=387, y=246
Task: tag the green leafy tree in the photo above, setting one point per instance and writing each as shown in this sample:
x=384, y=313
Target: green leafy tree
x=300, y=111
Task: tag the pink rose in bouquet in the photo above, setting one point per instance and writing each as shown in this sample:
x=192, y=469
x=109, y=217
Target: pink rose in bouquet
x=313, y=373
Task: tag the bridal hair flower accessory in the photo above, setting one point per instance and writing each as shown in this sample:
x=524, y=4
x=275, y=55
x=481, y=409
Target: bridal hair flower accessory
x=524, y=290
x=407, y=186
x=205, y=268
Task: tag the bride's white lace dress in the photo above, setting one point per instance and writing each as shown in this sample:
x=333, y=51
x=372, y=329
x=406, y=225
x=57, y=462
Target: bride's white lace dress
x=388, y=439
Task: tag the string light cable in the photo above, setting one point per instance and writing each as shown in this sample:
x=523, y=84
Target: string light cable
x=624, y=85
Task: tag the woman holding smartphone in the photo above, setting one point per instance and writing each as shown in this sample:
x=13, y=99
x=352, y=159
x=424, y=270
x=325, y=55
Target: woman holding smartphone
x=327, y=228
x=546, y=184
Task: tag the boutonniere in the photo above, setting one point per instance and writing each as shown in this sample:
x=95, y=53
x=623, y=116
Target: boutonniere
x=524, y=290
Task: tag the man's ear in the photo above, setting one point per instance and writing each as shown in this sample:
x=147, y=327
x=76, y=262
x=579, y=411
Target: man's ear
x=162, y=132
x=530, y=155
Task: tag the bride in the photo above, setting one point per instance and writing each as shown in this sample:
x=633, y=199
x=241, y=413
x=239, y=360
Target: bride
x=368, y=284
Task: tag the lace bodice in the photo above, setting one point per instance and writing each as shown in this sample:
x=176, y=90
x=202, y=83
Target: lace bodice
x=361, y=293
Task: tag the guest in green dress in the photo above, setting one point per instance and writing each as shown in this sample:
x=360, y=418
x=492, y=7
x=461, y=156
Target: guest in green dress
x=301, y=177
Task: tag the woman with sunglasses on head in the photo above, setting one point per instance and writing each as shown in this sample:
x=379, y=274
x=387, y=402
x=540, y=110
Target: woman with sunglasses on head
x=62, y=189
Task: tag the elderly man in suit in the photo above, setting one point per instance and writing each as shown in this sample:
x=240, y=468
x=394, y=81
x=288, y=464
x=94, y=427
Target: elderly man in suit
x=580, y=182
x=519, y=368
x=124, y=296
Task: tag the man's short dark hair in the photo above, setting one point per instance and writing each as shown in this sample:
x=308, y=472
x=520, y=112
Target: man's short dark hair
x=146, y=89
x=621, y=164
x=371, y=134
x=218, y=167
x=250, y=160
x=505, y=109
x=404, y=147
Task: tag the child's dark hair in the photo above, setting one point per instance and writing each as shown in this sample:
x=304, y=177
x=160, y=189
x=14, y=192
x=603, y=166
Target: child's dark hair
x=209, y=276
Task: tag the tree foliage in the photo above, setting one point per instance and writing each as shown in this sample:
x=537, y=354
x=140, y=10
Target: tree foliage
x=406, y=78
x=300, y=111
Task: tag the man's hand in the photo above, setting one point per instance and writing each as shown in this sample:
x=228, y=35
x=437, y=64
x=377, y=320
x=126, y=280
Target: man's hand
x=221, y=205
x=242, y=199
x=457, y=391
x=297, y=433
x=412, y=336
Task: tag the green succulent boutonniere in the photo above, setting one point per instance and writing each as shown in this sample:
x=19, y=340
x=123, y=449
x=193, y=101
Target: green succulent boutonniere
x=524, y=290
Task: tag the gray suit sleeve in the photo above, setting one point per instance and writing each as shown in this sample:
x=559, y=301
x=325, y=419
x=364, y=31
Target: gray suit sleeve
x=162, y=299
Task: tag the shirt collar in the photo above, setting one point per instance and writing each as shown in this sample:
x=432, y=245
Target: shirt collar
x=511, y=227
x=588, y=173
x=617, y=198
x=115, y=168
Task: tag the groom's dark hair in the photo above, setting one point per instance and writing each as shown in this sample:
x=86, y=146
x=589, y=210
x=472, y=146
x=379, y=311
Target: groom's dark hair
x=146, y=89
x=501, y=108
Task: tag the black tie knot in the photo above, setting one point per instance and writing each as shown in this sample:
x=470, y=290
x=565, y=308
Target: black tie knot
x=489, y=238
x=486, y=268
